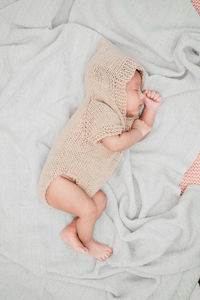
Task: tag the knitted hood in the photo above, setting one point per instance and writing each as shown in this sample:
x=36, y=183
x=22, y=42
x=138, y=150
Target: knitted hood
x=107, y=74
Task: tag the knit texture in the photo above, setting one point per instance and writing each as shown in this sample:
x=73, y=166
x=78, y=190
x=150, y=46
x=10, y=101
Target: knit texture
x=78, y=151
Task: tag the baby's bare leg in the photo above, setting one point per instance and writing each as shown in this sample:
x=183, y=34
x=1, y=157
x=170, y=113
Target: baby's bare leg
x=70, y=232
x=67, y=196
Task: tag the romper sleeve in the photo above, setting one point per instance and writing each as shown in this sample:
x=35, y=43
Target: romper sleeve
x=101, y=121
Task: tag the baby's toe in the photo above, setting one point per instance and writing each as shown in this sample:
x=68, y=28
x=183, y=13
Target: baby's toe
x=105, y=256
x=109, y=251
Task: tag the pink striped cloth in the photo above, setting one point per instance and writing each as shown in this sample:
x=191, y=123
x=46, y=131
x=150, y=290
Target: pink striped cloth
x=192, y=176
x=196, y=4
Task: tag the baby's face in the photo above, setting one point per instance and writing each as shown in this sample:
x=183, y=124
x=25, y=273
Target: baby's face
x=134, y=94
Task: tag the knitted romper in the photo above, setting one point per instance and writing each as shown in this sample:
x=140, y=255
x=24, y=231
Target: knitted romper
x=78, y=151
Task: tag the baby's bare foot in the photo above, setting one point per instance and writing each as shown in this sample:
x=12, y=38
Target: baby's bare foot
x=70, y=236
x=98, y=251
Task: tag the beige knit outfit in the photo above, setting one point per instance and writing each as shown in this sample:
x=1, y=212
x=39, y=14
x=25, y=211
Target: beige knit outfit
x=78, y=151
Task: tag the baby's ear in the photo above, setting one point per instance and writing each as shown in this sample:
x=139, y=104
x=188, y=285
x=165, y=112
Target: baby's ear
x=139, y=72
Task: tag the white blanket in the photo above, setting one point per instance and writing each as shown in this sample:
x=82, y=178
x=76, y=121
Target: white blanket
x=155, y=233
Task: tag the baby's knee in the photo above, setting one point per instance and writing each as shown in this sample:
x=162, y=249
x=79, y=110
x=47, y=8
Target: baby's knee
x=101, y=198
x=89, y=210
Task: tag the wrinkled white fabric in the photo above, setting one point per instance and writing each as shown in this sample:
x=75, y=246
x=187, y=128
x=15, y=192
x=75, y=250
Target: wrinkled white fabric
x=154, y=233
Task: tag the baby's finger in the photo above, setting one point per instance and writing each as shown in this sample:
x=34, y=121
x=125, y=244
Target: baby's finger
x=150, y=94
x=159, y=98
x=153, y=94
x=156, y=96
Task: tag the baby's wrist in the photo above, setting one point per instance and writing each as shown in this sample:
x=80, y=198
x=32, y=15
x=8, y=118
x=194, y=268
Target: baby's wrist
x=151, y=109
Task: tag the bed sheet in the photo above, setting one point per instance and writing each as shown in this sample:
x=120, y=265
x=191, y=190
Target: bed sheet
x=152, y=227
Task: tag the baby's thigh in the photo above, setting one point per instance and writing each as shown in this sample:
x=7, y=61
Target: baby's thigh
x=69, y=178
x=66, y=195
x=59, y=186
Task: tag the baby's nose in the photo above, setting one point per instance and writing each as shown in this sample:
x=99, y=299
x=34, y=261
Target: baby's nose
x=142, y=97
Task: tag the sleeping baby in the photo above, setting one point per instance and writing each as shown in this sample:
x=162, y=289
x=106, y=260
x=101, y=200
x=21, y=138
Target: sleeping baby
x=91, y=144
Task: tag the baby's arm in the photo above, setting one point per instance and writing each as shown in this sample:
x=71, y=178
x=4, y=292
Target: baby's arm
x=148, y=116
x=140, y=127
x=125, y=140
x=152, y=102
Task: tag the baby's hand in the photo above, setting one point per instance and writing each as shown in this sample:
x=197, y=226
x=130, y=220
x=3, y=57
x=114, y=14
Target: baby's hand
x=141, y=126
x=152, y=99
